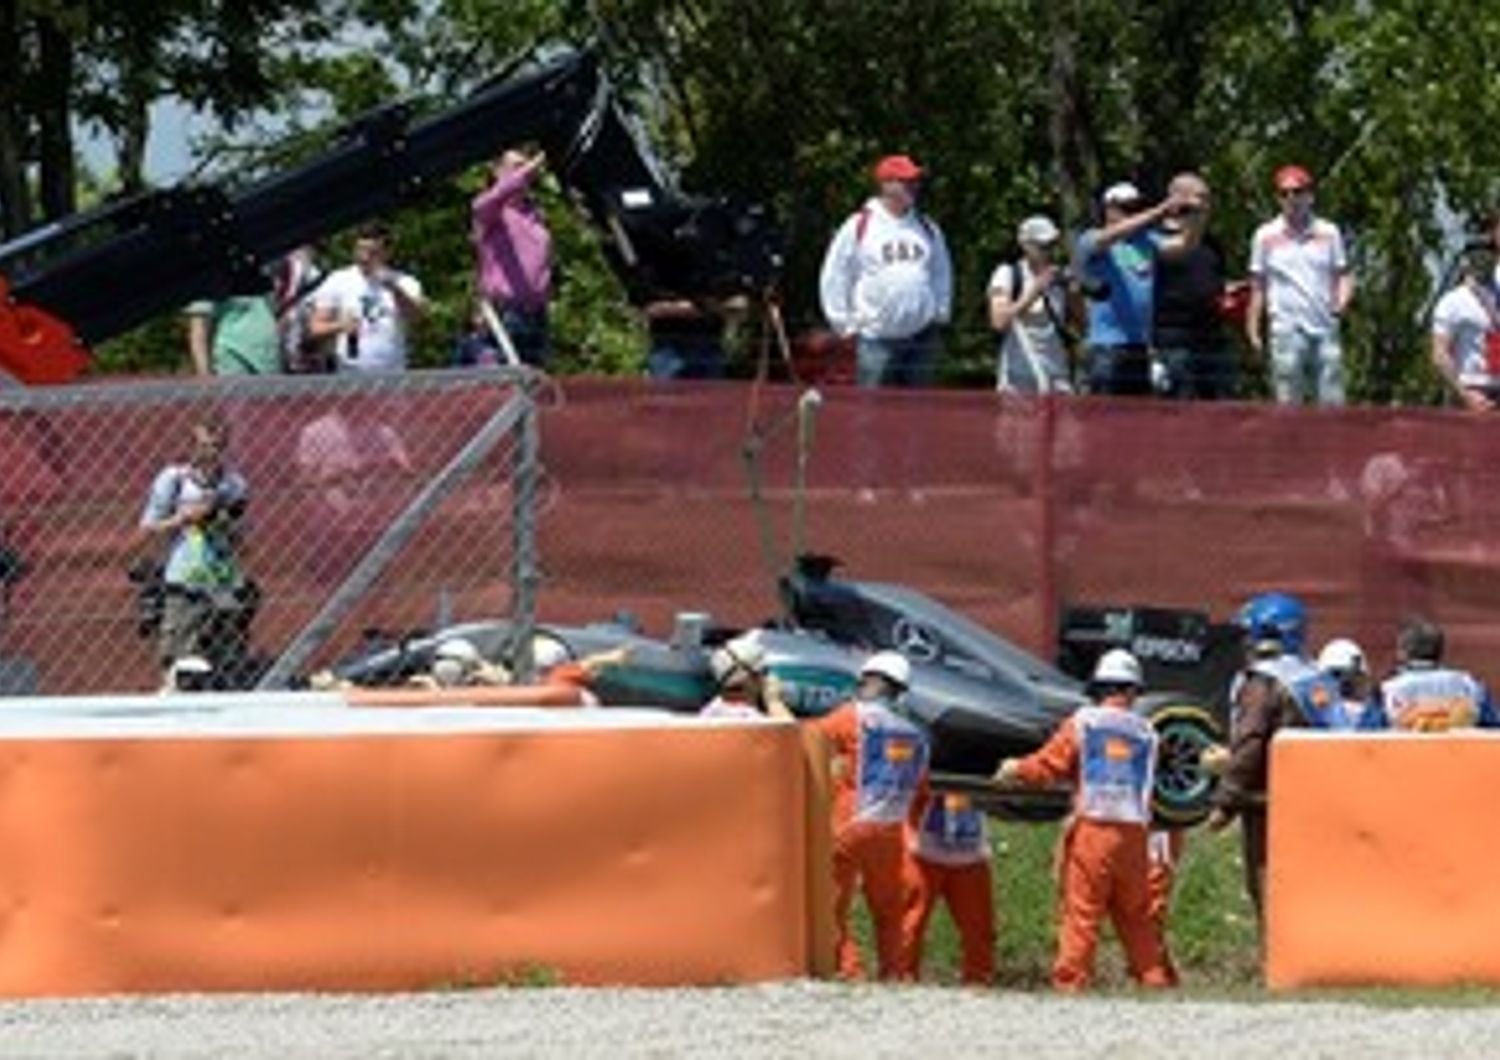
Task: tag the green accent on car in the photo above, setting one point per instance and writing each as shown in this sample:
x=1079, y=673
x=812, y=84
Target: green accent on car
x=812, y=691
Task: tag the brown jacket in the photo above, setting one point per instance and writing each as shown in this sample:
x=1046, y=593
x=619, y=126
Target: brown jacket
x=1261, y=707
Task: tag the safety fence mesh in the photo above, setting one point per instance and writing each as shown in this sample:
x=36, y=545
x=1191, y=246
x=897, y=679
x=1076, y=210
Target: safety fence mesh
x=1008, y=509
x=376, y=506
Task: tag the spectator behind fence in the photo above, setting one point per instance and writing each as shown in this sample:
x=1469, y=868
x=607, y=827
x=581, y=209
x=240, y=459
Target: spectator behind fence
x=369, y=307
x=887, y=280
x=234, y=336
x=1118, y=261
x=1029, y=311
x=1189, y=331
x=1300, y=281
x=477, y=346
x=687, y=336
x=1466, y=334
x=513, y=253
x=298, y=278
x=199, y=507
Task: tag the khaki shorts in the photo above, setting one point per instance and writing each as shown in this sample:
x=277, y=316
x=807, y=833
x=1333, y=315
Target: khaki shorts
x=196, y=624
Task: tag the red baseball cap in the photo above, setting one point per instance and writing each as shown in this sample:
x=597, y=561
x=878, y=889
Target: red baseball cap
x=1292, y=178
x=897, y=167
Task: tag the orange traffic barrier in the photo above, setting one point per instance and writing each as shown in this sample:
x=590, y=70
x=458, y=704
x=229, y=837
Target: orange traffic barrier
x=598, y=850
x=1380, y=867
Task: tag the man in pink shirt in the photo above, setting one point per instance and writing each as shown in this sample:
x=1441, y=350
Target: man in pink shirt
x=513, y=252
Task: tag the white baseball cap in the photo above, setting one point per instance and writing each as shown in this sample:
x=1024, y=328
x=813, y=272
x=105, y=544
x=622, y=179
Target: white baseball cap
x=1038, y=228
x=1121, y=194
x=459, y=650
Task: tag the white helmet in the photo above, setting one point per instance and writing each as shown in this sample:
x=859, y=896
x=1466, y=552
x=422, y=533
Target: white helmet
x=891, y=665
x=547, y=653
x=459, y=650
x=1343, y=656
x=191, y=673
x=1118, y=667
x=741, y=655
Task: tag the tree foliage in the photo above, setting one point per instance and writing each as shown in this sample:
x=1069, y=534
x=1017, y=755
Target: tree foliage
x=1016, y=105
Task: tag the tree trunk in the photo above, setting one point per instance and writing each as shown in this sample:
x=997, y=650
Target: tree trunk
x=1075, y=153
x=15, y=194
x=55, y=125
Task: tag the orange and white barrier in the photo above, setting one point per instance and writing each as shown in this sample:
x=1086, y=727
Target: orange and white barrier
x=1381, y=865
x=302, y=844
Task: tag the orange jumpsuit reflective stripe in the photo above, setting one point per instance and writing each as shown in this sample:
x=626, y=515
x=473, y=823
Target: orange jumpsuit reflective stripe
x=1110, y=754
x=881, y=760
x=948, y=858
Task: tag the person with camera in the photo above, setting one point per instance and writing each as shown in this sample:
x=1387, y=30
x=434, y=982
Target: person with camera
x=1466, y=332
x=1118, y=263
x=1191, y=346
x=198, y=508
x=1029, y=307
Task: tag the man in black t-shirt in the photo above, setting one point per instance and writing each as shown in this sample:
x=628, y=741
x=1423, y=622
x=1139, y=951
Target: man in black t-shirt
x=1190, y=341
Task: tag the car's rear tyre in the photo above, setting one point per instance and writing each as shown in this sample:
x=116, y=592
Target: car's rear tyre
x=1184, y=729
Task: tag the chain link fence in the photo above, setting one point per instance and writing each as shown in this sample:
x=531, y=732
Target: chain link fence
x=341, y=511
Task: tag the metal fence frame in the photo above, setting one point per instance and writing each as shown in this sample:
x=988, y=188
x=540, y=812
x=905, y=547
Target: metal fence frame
x=517, y=418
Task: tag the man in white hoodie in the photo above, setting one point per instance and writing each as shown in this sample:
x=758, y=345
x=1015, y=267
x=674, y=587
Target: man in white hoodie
x=887, y=279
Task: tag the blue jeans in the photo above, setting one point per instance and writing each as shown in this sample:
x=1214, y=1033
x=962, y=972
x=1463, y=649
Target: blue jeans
x=898, y=362
x=1305, y=366
x=680, y=359
x=1202, y=375
x=529, y=333
x=1120, y=371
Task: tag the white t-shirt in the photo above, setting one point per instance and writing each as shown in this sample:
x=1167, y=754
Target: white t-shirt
x=1301, y=272
x=1462, y=318
x=886, y=277
x=1033, y=346
x=381, y=342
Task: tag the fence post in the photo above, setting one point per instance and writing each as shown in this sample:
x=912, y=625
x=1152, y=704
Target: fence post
x=1046, y=491
x=525, y=575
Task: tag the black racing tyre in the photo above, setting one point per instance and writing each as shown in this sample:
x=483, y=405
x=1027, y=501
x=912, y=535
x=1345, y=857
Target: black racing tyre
x=1184, y=729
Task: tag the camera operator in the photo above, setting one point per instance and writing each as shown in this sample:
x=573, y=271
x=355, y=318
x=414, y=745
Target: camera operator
x=198, y=507
x=1190, y=341
x=1118, y=261
x=1029, y=307
x=1466, y=331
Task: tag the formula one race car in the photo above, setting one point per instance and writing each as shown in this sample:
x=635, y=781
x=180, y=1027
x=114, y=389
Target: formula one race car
x=981, y=697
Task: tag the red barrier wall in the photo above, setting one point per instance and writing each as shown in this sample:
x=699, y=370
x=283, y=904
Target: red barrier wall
x=1004, y=508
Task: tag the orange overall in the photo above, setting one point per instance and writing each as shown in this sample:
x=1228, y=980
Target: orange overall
x=948, y=857
x=1110, y=755
x=879, y=760
x=1165, y=848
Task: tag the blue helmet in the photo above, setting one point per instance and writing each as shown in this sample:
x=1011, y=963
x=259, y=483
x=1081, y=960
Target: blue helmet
x=1275, y=617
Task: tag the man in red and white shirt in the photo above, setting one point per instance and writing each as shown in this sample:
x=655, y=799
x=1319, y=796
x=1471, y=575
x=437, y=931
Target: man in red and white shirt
x=1300, y=281
x=887, y=280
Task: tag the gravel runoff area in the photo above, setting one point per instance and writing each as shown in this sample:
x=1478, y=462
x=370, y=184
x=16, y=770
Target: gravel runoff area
x=782, y=1020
